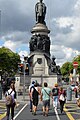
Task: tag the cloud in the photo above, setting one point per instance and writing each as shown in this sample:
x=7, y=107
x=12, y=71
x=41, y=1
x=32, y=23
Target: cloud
x=77, y=8
x=11, y=45
x=63, y=53
x=22, y=54
x=17, y=36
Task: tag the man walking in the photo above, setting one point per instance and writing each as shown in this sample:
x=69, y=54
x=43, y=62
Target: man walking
x=30, y=87
x=45, y=97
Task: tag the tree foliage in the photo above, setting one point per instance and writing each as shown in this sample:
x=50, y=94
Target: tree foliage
x=8, y=61
x=67, y=67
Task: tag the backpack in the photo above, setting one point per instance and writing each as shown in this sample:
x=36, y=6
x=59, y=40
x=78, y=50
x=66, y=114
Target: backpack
x=35, y=93
x=9, y=99
x=55, y=91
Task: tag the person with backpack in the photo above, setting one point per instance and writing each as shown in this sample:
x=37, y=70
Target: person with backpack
x=45, y=98
x=55, y=93
x=35, y=92
x=10, y=96
x=30, y=87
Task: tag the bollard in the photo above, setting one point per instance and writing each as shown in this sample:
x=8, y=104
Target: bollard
x=69, y=94
x=0, y=92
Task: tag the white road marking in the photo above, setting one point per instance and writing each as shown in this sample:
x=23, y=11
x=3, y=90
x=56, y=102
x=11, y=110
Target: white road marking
x=20, y=111
x=56, y=112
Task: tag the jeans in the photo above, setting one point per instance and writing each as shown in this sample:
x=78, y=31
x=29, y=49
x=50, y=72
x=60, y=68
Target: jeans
x=31, y=104
x=55, y=101
x=12, y=110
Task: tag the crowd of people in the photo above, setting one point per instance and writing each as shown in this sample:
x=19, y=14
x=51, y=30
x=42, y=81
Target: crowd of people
x=37, y=93
x=57, y=94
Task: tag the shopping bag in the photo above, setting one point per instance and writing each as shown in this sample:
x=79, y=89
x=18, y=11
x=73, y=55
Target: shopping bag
x=62, y=97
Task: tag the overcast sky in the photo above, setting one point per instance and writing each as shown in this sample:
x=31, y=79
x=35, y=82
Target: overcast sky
x=62, y=18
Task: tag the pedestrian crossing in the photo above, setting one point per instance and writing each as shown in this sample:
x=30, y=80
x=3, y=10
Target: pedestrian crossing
x=71, y=111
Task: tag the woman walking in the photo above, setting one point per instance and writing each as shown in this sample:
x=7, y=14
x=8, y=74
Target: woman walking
x=10, y=96
x=62, y=95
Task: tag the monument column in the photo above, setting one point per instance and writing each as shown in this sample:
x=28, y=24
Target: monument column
x=42, y=68
x=40, y=42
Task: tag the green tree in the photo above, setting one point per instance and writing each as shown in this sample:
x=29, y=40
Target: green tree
x=8, y=61
x=66, y=68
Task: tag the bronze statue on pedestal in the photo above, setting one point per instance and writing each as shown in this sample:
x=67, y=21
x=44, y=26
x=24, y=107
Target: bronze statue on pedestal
x=40, y=10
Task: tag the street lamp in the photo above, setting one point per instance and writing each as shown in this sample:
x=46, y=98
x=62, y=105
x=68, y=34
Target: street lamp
x=24, y=63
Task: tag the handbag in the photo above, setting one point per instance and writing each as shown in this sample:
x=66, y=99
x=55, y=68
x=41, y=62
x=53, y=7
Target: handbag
x=62, y=98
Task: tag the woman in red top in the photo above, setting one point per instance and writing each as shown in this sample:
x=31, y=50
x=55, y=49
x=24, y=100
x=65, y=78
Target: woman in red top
x=62, y=95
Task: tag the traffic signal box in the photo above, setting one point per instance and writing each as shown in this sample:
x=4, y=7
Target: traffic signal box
x=20, y=68
x=27, y=69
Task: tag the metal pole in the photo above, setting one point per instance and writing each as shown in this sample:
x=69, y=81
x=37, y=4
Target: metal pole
x=0, y=22
x=24, y=83
x=74, y=73
x=41, y=79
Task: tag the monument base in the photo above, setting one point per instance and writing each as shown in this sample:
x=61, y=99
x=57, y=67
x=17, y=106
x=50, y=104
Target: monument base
x=39, y=63
x=51, y=79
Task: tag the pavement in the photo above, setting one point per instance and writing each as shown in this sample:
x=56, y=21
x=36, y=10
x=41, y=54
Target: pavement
x=22, y=112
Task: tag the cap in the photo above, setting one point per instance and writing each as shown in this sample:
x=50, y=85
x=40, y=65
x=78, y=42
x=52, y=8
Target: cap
x=33, y=82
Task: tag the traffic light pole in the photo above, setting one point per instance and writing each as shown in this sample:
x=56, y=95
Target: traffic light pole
x=24, y=81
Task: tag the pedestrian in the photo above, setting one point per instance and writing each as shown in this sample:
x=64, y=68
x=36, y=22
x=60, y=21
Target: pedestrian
x=35, y=92
x=55, y=93
x=79, y=91
x=4, y=86
x=30, y=87
x=76, y=90
x=62, y=98
x=10, y=96
x=45, y=98
x=78, y=99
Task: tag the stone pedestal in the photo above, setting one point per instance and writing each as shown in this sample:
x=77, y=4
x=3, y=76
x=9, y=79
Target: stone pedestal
x=50, y=79
x=39, y=63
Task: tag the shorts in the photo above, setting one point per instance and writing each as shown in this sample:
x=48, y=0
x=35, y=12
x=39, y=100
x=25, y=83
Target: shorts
x=35, y=102
x=46, y=103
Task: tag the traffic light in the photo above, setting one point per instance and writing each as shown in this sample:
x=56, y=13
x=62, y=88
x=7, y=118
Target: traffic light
x=27, y=69
x=20, y=68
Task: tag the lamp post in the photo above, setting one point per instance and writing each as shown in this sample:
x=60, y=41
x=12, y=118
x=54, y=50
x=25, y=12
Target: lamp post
x=24, y=62
x=24, y=83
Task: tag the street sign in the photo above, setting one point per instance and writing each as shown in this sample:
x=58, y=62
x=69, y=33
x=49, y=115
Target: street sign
x=75, y=64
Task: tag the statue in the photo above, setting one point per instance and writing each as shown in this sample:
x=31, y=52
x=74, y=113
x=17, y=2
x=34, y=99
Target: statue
x=33, y=43
x=58, y=69
x=40, y=10
x=53, y=65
